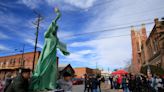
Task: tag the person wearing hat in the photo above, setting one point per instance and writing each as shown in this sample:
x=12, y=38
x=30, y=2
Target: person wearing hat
x=20, y=83
x=65, y=83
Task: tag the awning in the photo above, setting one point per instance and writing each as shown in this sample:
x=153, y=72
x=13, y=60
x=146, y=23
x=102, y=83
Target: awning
x=121, y=72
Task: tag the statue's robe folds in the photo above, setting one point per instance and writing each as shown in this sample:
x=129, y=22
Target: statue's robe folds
x=45, y=74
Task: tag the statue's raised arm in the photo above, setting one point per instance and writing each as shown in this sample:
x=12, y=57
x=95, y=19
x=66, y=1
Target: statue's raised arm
x=53, y=26
x=58, y=14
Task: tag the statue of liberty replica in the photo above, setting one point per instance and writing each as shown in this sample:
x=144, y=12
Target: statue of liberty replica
x=45, y=74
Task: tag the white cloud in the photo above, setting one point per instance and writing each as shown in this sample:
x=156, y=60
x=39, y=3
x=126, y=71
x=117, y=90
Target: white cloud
x=78, y=56
x=62, y=34
x=3, y=48
x=30, y=3
x=9, y=19
x=32, y=42
x=4, y=36
x=108, y=52
x=84, y=52
x=81, y=3
x=114, y=52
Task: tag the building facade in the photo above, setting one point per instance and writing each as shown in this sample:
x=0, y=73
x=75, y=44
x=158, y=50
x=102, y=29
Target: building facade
x=155, y=45
x=148, y=51
x=81, y=71
x=13, y=62
x=138, y=38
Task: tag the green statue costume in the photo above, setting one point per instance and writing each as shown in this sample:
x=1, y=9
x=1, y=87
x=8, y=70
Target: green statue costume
x=45, y=74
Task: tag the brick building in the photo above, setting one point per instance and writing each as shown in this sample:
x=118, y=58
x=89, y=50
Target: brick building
x=138, y=38
x=155, y=45
x=13, y=62
x=148, y=50
x=81, y=71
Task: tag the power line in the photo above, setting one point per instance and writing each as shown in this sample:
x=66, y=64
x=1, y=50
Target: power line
x=111, y=29
x=115, y=36
x=146, y=11
x=140, y=21
x=109, y=37
x=106, y=30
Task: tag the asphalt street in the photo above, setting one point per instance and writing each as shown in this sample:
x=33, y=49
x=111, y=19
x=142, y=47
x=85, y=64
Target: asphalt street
x=80, y=88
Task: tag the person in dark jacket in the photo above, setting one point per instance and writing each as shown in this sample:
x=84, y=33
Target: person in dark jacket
x=125, y=84
x=132, y=83
x=138, y=84
x=20, y=83
x=94, y=84
x=99, y=82
x=111, y=81
x=88, y=84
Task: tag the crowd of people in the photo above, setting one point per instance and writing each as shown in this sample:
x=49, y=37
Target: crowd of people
x=92, y=83
x=126, y=82
x=137, y=83
x=16, y=83
x=20, y=82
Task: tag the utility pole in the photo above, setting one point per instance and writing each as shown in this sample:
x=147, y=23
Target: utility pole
x=37, y=23
x=96, y=68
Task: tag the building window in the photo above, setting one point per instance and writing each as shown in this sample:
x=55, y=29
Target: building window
x=14, y=61
x=4, y=64
x=7, y=63
x=150, y=51
x=155, y=46
x=138, y=47
x=11, y=61
x=1, y=64
x=20, y=60
x=139, y=61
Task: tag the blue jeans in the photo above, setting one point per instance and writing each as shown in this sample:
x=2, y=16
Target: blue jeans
x=95, y=90
x=126, y=89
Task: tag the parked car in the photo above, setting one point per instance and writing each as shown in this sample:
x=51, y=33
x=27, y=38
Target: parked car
x=77, y=81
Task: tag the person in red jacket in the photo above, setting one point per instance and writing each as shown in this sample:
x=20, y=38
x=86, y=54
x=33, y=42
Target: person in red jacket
x=119, y=81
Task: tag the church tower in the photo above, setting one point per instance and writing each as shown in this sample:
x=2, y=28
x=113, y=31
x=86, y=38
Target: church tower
x=138, y=39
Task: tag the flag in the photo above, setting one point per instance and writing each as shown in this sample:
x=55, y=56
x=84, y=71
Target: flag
x=45, y=74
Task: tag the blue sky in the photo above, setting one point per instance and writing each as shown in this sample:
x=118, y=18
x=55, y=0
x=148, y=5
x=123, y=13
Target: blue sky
x=78, y=16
